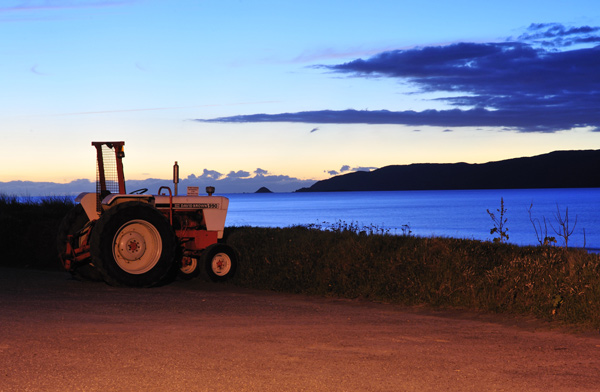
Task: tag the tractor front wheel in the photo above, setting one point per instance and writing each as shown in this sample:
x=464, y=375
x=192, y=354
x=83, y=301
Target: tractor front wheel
x=133, y=244
x=220, y=261
x=190, y=268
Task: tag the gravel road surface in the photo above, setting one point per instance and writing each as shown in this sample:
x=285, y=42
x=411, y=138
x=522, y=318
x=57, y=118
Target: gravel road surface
x=59, y=334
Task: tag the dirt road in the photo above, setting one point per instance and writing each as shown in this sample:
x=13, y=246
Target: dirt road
x=58, y=334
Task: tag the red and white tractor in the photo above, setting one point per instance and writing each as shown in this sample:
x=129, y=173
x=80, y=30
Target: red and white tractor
x=139, y=239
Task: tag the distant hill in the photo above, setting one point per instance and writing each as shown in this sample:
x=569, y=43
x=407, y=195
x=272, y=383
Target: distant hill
x=559, y=169
x=263, y=190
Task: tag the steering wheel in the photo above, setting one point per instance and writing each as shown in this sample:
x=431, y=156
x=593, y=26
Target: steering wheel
x=139, y=191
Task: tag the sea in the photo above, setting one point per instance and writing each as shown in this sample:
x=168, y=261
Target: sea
x=530, y=214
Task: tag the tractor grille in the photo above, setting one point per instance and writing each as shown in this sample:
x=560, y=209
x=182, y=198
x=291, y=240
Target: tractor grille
x=110, y=185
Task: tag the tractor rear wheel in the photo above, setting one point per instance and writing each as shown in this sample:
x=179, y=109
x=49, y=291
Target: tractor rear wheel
x=133, y=244
x=72, y=223
x=220, y=261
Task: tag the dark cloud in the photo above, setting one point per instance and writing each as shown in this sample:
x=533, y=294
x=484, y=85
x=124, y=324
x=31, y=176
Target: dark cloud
x=238, y=174
x=557, y=35
x=533, y=120
x=210, y=174
x=223, y=184
x=30, y=188
x=347, y=169
x=520, y=84
x=364, y=168
x=261, y=172
x=314, y=130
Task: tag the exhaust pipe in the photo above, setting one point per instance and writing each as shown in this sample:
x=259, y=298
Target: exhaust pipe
x=175, y=177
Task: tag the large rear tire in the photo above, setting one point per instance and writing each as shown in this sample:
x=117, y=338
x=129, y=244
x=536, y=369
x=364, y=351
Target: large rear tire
x=72, y=223
x=220, y=261
x=133, y=244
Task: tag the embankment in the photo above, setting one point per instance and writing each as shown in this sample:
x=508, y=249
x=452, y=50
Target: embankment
x=551, y=283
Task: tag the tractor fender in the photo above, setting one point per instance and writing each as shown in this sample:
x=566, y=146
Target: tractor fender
x=118, y=198
x=88, y=202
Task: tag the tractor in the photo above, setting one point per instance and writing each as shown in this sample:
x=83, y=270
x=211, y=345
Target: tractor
x=139, y=239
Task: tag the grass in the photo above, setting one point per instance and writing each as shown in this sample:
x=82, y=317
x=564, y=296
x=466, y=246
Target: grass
x=548, y=282
x=28, y=230
x=344, y=260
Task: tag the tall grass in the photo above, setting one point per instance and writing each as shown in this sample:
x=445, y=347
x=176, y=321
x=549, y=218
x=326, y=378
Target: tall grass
x=28, y=230
x=548, y=282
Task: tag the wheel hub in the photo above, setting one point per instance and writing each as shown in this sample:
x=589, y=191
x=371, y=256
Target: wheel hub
x=131, y=246
x=221, y=264
x=189, y=265
x=137, y=247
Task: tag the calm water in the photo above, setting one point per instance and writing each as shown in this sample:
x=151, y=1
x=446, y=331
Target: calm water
x=459, y=214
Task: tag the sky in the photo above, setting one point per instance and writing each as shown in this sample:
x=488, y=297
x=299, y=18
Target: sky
x=245, y=93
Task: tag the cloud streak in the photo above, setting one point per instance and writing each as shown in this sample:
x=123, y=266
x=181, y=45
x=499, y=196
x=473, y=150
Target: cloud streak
x=34, y=70
x=556, y=35
x=347, y=169
x=526, y=84
x=37, y=5
x=34, y=10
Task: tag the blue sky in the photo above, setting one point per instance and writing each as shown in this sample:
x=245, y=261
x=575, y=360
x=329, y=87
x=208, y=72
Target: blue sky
x=250, y=93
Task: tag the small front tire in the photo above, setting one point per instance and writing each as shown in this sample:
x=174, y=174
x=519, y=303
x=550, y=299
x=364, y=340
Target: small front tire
x=190, y=268
x=220, y=261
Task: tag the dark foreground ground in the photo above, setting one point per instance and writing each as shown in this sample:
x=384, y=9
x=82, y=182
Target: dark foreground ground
x=58, y=334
